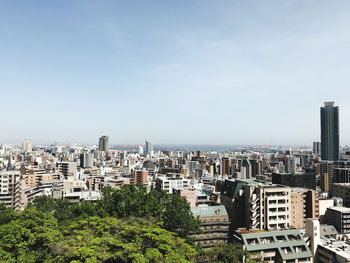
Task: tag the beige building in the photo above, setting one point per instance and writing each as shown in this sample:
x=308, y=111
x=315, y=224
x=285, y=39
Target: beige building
x=323, y=205
x=214, y=225
x=140, y=177
x=255, y=204
x=304, y=204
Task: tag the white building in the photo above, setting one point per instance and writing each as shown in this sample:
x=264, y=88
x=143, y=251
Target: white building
x=167, y=184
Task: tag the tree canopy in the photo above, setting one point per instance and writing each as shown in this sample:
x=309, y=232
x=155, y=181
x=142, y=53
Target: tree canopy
x=111, y=240
x=128, y=225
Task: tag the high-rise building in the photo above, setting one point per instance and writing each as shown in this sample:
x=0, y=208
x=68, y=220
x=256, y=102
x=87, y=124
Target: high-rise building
x=326, y=180
x=27, y=145
x=226, y=165
x=86, y=160
x=103, y=144
x=149, y=147
x=316, y=148
x=329, y=132
x=140, y=150
x=291, y=165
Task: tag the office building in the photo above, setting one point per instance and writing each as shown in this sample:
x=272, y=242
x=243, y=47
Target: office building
x=299, y=179
x=149, y=147
x=103, y=144
x=343, y=191
x=86, y=160
x=291, y=165
x=339, y=217
x=140, y=150
x=341, y=175
x=226, y=166
x=329, y=132
x=316, y=149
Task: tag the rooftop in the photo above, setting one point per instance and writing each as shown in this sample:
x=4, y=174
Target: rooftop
x=340, y=209
x=207, y=211
x=284, y=242
x=341, y=248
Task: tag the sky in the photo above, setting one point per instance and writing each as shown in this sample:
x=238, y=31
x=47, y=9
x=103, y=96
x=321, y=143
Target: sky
x=175, y=72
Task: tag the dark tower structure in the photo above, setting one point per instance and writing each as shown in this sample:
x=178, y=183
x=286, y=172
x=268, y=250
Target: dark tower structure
x=329, y=132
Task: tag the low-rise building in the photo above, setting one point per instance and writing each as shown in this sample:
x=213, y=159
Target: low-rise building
x=214, y=225
x=168, y=183
x=282, y=246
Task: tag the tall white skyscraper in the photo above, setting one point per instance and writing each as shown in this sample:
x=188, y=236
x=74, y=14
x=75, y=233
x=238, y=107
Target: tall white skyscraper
x=140, y=150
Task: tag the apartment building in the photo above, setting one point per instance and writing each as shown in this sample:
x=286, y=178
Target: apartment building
x=256, y=204
x=283, y=246
x=304, y=204
x=140, y=177
x=67, y=168
x=214, y=225
x=10, y=189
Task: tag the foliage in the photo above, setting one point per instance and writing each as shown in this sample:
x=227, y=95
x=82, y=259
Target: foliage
x=111, y=240
x=128, y=201
x=6, y=214
x=28, y=237
x=229, y=253
x=127, y=225
x=134, y=201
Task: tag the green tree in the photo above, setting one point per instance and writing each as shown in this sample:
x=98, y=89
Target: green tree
x=112, y=240
x=28, y=237
x=134, y=201
x=44, y=203
x=6, y=214
x=228, y=253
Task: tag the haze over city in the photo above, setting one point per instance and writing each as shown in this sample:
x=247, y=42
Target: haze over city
x=177, y=72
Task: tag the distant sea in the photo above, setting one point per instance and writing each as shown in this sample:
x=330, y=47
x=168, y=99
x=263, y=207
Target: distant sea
x=189, y=147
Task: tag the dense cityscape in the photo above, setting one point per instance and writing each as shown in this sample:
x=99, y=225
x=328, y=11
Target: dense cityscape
x=187, y=131
x=276, y=204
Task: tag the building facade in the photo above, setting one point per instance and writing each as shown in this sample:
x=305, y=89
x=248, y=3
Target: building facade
x=329, y=132
x=214, y=225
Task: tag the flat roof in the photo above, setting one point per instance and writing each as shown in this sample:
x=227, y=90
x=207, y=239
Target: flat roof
x=207, y=211
x=340, y=209
x=278, y=240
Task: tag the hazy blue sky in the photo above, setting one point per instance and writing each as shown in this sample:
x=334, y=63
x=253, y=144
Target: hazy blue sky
x=200, y=72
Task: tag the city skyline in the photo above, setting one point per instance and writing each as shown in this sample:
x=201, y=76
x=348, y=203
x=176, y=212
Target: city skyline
x=186, y=72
